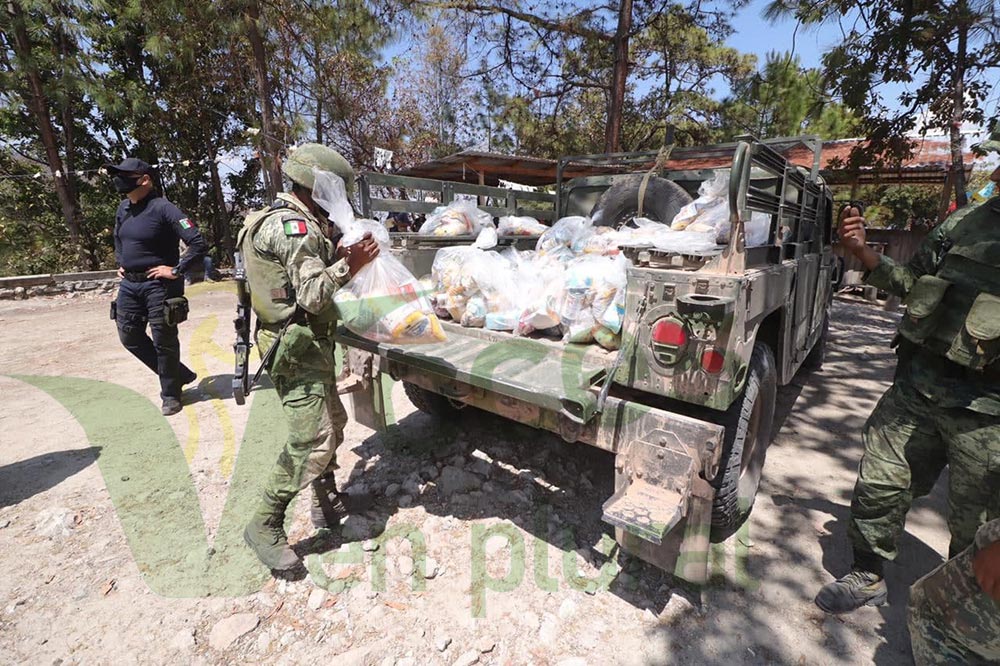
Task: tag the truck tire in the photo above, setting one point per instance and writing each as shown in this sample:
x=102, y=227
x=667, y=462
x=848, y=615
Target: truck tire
x=427, y=401
x=817, y=355
x=620, y=203
x=748, y=433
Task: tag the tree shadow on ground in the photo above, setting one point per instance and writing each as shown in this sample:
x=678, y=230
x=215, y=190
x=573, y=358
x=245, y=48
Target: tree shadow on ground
x=27, y=478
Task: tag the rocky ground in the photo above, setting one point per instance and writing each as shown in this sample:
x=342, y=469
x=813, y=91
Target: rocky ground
x=509, y=520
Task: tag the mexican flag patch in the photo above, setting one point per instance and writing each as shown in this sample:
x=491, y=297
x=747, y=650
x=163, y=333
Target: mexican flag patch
x=185, y=223
x=295, y=227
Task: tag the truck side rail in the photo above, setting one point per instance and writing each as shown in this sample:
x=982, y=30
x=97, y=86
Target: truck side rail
x=496, y=201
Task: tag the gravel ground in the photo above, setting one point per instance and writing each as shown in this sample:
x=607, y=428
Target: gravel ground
x=74, y=593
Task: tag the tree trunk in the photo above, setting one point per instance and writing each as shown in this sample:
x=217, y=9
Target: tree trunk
x=958, y=102
x=39, y=105
x=269, y=145
x=223, y=237
x=619, y=77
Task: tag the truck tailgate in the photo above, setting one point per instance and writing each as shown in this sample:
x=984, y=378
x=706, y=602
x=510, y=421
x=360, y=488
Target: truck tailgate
x=550, y=374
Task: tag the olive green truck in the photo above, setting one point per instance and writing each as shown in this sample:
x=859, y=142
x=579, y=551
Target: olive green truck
x=686, y=404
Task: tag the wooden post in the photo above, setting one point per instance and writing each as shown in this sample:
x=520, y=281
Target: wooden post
x=945, y=196
x=482, y=181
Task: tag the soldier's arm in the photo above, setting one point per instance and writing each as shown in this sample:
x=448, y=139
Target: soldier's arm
x=188, y=232
x=898, y=279
x=299, y=248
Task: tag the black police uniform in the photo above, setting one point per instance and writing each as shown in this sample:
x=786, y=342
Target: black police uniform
x=147, y=235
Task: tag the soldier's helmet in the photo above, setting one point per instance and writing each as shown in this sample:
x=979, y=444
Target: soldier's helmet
x=300, y=163
x=992, y=144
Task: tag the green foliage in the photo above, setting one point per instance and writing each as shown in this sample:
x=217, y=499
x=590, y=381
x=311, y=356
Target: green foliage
x=785, y=99
x=901, y=206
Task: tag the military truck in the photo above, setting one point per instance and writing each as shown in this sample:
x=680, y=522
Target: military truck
x=686, y=405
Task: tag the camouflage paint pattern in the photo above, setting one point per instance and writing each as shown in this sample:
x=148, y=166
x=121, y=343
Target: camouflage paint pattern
x=951, y=619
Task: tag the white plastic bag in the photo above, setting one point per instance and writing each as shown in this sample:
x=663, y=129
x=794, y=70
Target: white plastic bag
x=384, y=302
x=459, y=218
x=757, y=229
x=710, y=211
x=511, y=225
x=566, y=237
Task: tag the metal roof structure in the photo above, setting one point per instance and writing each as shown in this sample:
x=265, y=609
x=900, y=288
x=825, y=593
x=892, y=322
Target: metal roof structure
x=929, y=165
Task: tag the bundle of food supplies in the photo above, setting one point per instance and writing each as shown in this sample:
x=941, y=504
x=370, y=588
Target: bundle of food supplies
x=383, y=302
x=582, y=300
x=572, y=237
x=709, y=214
x=459, y=218
x=512, y=225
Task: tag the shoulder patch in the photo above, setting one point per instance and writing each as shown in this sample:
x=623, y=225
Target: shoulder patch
x=295, y=227
x=185, y=223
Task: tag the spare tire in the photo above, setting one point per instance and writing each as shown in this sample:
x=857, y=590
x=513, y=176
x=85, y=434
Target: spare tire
x=620, y=202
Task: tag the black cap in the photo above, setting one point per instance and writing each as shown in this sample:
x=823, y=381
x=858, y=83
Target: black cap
x=129, y=165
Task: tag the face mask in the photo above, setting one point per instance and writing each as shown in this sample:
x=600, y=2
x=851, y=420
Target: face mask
x=125, y=184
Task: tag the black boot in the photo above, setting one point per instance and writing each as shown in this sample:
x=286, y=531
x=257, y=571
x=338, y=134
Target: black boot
x=266, y=536
x=329, y=506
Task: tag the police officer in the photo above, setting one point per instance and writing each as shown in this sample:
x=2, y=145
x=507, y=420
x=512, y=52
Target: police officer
x=293, y=271
x=147, y=231
x=954, y=613
x=943, y=407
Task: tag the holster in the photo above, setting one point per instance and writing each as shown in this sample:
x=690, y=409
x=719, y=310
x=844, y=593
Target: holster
x=175, y=310
x=114, y=310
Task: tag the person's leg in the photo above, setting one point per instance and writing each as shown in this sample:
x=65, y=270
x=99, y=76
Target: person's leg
x=974, y=480
x=903, y=455
x=951, y=620
x=329, y=505
x=311, y=443
x=173, y=374
x=131, y=318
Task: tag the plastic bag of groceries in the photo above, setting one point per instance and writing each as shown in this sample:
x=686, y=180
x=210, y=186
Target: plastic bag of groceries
x=384, y=302
x=454, y=284
x=757, y=230
x=459, y=218
x=591, y=286
x=566, y=238
x=710, y=211
x=512, y=225
x=539, y=291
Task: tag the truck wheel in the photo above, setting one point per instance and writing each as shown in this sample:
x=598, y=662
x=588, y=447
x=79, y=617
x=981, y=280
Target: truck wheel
x=427, y=401
x=817, y=355
x=620, y=203
x=748, y=434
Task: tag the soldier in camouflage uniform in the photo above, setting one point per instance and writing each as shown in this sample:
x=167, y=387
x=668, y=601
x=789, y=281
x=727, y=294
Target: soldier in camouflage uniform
x=943, y=407
x=293, y=272
x=955, y=610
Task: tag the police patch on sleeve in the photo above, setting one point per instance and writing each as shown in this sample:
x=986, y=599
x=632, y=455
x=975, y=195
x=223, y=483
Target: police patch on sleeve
x=295, y=227
x=185, y=223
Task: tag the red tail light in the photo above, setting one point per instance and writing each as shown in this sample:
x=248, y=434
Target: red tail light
x=669, y=332
x=669, y=338
x=712, y=361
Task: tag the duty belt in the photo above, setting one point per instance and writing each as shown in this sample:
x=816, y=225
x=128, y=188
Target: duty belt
x=137, y=276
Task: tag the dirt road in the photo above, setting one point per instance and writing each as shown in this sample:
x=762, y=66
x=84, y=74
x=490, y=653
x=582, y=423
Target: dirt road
x=77, y=584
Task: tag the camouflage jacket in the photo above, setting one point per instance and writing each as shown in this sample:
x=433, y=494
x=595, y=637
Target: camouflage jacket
x=933, y=375
x=290, y=263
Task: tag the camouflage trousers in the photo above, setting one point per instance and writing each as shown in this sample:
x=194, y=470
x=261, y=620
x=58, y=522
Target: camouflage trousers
x=303, y=372
x=908, y=440
x=951, y=620
x=316, y=420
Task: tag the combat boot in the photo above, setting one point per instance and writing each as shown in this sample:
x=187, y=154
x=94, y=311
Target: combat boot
x=330, y=506
x=856, y=589
x=265, y=534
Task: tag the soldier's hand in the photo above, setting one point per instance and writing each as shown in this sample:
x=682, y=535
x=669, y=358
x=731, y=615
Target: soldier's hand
x=852, y=229
x=986, y=567
x=121, y=272
x=361, y=253
x=161, y=272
